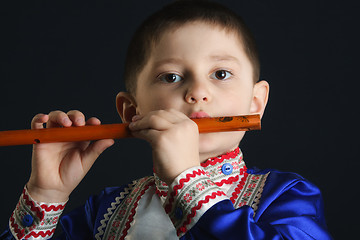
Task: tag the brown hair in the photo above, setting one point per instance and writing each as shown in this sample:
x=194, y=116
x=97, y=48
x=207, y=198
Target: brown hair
x=174, y=15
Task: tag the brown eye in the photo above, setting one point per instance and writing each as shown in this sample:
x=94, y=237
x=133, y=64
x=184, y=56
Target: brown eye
x=221, y=75
x=170, y=78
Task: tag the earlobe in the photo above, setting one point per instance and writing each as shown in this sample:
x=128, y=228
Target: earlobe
x=126, y=106
x=260, y=98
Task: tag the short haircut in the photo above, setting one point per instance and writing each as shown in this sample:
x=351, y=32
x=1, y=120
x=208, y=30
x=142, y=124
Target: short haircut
x=175, y=15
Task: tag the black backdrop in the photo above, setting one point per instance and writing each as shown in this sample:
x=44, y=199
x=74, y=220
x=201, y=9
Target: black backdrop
x=57, y=55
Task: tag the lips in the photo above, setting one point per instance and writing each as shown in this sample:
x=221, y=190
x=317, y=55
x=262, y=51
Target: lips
x=199, y=115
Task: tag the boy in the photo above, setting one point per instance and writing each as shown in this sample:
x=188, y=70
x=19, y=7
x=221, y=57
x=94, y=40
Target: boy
x=192, y=59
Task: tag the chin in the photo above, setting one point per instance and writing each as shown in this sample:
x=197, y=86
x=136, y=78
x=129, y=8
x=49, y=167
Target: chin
x=215, y=144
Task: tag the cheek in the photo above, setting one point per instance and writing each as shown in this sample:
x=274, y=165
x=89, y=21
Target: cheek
x=236, y=102
x=156, y=101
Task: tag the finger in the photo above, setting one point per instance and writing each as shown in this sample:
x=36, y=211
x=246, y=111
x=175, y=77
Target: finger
x=172, y=115
x=149, y=135
x=152, y=121
x=38, y=121
x=93, y=121
x=136, y=118
x=58, y=119
x=179, y=114
x=94, y=150
x=76, y=117
x=159, y=120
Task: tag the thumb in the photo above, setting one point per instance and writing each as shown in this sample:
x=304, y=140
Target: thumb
x=93, y=151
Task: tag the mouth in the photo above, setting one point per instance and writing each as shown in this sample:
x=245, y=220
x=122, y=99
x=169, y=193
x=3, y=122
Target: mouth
x=200, y=114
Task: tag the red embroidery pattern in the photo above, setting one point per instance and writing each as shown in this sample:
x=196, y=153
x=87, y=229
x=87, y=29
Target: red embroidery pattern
x=41, y=234
x=208, y=178
x=106, y=221
x=188, y=196
x=215, y=160
x=40, y=214
x=20, y=233
x=20, y=212
x=161, y=187
x=215, y=172
x=52, y=207
x=191, y=200
x=133, y=211
x=251, y=190
x=161, y=193
x=212, y=168
x=118, y=226
x=200, y=186
x=230, y=180
x=205, y=185
x=183, y=228
x=179, y=186
x=45, y=218
x=239, y=187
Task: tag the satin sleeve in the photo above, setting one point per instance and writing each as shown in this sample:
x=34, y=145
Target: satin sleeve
x=82, y=223
x=290, y=208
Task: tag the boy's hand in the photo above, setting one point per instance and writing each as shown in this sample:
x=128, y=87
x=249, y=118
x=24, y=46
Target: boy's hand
x=174, y=139
x=57, y=168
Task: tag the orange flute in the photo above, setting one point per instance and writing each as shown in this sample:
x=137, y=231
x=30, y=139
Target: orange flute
x=120, y=130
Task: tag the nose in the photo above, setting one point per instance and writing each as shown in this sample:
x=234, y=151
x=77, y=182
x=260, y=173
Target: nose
x=197, y=92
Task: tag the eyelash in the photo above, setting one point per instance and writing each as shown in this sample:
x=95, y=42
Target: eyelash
x=165, y=77
x=162, y=77
x=228, y=74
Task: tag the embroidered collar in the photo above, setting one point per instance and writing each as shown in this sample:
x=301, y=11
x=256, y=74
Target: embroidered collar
x=223, y=170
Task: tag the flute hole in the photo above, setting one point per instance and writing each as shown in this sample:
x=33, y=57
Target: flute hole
x=225, y=119
x=36, y=141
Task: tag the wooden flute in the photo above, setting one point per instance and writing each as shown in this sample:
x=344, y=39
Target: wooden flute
x=120, y=130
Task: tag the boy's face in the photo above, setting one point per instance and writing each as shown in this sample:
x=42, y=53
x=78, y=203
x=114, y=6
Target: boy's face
x=200, y=70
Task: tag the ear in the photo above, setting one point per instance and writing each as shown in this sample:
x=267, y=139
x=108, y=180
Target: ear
x=126, y=106
x=260, y=98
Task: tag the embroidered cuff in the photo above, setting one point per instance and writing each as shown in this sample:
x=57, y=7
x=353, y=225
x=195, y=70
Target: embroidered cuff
x=190, y=195
x=33, y=220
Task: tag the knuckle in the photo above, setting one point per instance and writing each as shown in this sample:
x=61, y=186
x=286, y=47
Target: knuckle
x=161, y=111
x=173, y=111
x=38, y=121
x=153, y=119
x=190, y=125
x=162, y=140
x=56, y=113
x=76, y=115
x=75, y=112
x=36, y=117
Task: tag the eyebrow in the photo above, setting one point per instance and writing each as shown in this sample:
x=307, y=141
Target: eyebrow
x=217, y=58
x=168, y=61
x=224, y=58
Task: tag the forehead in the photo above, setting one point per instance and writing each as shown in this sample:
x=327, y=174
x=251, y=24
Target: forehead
x=197, y=41
x=194, y=39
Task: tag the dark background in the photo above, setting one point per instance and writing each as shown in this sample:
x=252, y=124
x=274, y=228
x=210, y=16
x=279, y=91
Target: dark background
x=57, y=55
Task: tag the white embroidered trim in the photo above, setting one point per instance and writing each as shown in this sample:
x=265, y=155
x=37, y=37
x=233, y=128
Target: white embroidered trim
x=204, y=187
x=213, y=169
x=120, y=220
x=112, y=208
x=191, y=195
x=252, y=191
x=257, y=198
x=34, y=220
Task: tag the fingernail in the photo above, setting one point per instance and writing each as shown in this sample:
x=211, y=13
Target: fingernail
x=135, y=118
x=67, y=121
x=79, y=121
